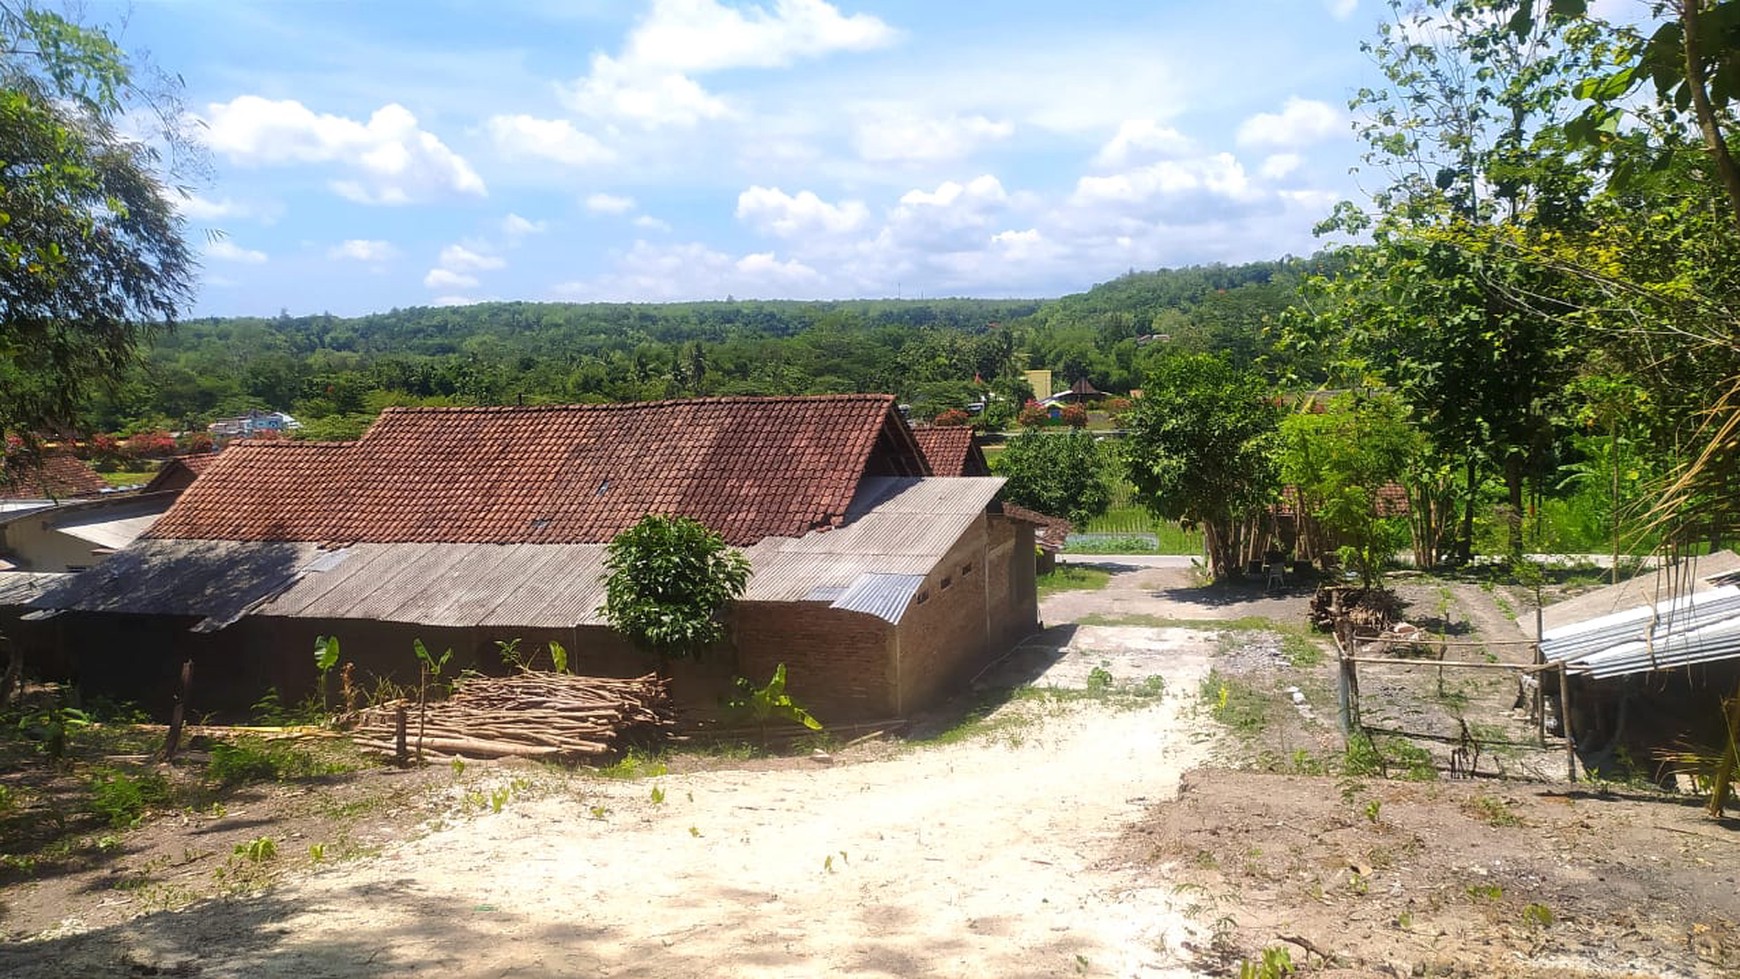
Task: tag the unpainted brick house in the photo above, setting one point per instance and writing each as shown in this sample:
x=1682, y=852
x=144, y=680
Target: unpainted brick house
x=880, y=585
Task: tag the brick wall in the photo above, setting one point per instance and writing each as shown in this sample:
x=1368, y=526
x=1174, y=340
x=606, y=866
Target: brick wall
x=1013, y=594
x=943, y=639
x=837, y=663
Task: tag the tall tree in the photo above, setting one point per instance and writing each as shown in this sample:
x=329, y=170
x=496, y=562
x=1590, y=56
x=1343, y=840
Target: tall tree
x=92, y=261
x=1200, y=449
x=1064, y=474
x=669, y=582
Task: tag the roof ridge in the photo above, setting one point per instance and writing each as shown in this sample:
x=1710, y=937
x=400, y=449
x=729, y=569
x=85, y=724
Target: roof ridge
x=634, y=405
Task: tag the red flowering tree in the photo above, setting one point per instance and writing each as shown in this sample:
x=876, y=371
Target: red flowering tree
x=1075, y=416
x=196, y=442
x=954, y=417
x=151, y=445
x=1033, y=415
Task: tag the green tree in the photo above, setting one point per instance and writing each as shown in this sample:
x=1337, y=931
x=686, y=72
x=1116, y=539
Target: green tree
x=1064, y=474
x=1339, y=460
x=669, y=582
x=1200, y=449
x=92, y=261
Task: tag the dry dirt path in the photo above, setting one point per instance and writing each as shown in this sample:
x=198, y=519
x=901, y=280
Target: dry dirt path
x=985, y=857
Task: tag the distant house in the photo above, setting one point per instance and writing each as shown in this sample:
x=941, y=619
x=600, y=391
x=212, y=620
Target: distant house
x=78, y=535
x=880, y=585
x=252, y=423
x=30, y=483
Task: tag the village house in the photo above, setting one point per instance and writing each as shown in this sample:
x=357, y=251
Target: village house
x=954, y=451
x=880, y=585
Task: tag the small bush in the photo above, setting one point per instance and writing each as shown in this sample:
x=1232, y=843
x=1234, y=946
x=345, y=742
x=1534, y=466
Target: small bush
x=122, y=799
x=258, y=760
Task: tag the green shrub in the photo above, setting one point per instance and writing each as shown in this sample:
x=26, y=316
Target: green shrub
x=251, y=759
x=122, y=799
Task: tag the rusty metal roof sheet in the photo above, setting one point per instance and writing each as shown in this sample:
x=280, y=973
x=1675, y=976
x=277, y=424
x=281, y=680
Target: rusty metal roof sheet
x=896, y=526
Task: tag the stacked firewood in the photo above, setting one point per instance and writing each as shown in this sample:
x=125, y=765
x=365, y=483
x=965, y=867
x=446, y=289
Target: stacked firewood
x=1354, y=611
x=550, y=716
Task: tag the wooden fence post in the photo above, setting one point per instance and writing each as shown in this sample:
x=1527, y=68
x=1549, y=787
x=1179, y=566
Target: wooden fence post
x=401, y=755
x=178, y=715
x=1725, y=774
x=1565, y=723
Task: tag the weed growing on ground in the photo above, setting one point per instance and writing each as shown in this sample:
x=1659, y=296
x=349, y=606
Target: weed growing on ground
x=123, y=799
x=258, y=850
x=1235, y=703
x=250, y=759
x=635, y=764
x=1072, y=577
x=1491, y=811
x=1275, y=963
x=1538, y=915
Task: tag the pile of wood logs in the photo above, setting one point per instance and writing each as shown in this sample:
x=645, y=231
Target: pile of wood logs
x=551, y=716
x=1354, y=611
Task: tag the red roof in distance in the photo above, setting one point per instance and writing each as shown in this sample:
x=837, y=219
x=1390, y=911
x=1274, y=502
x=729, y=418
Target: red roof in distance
x=50, y=476
x=951, y=451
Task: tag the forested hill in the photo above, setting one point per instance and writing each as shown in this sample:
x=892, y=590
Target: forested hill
x=335, y=373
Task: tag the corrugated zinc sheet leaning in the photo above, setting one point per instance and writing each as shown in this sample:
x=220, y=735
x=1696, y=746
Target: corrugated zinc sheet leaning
x=1698, y=628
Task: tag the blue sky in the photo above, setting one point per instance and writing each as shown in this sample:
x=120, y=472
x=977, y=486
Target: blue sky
x=382, y=154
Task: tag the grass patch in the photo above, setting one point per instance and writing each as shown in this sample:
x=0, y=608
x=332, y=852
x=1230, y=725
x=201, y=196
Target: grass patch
x=122, y=800
x=120, y=480
x=635, y=764
x=1070, y=577
x=1234, y=702
x=1390, y=758
x=251, y=759
x=1491, y=811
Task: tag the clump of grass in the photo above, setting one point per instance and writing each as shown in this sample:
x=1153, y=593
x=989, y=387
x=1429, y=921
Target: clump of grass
x=635, y=764
x=251, y=759
x=1300, y=650
x=1072, y=577
x=123, y=799
x=1491, y=811
x=1236, y=703
x=1393, y=758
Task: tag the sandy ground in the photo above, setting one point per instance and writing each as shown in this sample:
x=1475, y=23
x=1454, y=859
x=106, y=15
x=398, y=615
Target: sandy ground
x=972, y=858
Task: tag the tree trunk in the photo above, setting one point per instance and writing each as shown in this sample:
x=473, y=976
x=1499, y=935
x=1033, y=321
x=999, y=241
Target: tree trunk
x=1465, y=539
x=1513, y=486
x=1697, y=85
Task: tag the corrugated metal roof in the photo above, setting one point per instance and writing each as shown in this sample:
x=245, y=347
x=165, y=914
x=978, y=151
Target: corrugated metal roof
x=882, y=595
x=214, y=579
x=1695, y=628
x=898, y=528
x=19, y=588
x=1643, y=590
x=113, y=533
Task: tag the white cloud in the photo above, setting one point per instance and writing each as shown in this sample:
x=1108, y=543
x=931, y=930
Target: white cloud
x=199, y=208
x=390, y=159
x=549, y=139
x=651, y=223
x=764, y=266
x=1280, y=165
x=894, y=136
x=226, y=250
x=449, y=279
x=981, y=188
x=1341, y=9
x=773, y=211
x=459, y=258
x=602, y=203
x=648, y=84
x=362, y=250
x=515, y=226
x=706, y=35
x=1299, y=123
x=1144, y=138
x=1220, y=175
x=455, y=301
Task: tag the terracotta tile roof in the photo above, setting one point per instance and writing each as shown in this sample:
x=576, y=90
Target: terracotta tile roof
x=748, y=468
x=951, y=451
x=1052, y=532
x=180, y=472
x=51, y=476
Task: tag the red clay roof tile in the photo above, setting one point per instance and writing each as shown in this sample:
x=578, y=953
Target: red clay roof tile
x=748, y=468
x=951, y=450
x=50, y=476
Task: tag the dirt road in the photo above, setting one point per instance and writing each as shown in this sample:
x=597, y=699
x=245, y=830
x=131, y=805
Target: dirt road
x=982, y=857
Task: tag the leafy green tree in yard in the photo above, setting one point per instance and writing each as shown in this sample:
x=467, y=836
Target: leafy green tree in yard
x=1200, y=449
x=92, y=261
x=1339, y=459
x=1471, y=337
x=1064, y=474
x=669, y=582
